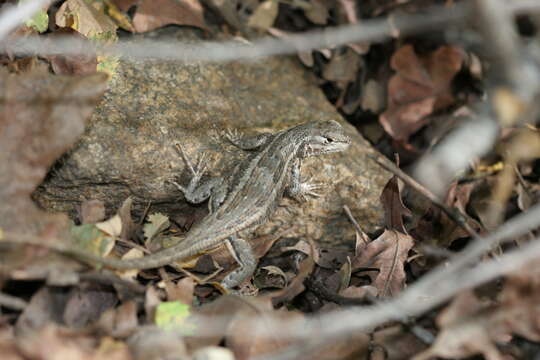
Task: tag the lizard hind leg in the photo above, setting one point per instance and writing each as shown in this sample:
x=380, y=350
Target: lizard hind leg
x=199, y=189
x=243, y=254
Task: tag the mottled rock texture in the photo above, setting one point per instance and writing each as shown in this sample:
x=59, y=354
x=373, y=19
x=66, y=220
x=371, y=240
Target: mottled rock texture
x=128, y=147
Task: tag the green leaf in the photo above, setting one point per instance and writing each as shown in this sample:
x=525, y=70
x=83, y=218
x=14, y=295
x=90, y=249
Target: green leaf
x=108, y=64
x=91, y=239
x=172, y=315
x=40, y=20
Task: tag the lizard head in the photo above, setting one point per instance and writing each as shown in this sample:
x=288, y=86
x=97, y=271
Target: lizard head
x=323, y=137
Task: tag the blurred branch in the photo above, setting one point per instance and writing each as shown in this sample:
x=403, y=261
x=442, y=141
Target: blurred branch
x=497, y=26
x=456, y=152
x=12, y=302
x=374, y=30
x=14, y=16
x=511, y=99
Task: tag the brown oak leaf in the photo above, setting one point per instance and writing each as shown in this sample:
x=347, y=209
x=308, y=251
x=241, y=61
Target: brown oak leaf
x=387, y=254
x=420, y=86
x=152, y=14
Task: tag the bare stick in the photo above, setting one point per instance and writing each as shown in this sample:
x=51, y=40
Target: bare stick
x=112, y=279
x=12, y=302
x=353, y=220
x=375, y=30
x=16, y=15
x=498, y=30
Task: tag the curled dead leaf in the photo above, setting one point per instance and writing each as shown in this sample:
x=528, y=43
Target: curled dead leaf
x=388, y=253
x=152, y=14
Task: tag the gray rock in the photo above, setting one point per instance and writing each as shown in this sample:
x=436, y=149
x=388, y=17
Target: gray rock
x=128, y=146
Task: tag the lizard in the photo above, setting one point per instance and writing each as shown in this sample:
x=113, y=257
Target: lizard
x=247, y=198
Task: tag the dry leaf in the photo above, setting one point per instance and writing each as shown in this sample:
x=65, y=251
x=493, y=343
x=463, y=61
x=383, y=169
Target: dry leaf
x=181, y=291
x=72, y=64
x=373, y=97
x=296, y=286
x=156, y=224
x=317, y=12
x=228, y=9
x=343, y=66
x=153, y=14
x=120, y=322
x=83, y=17
x=360, y=292
x=46, y=306
x=388, y=253
x=419, y=87
x=86, y=303
x=27, y=65
x=463, y=333
x=92, y=211
x=112, y=227
x=128, y=226
x=153, y=343
x=264, y=16
x=124, y=5
x=54, y=342
x=118, y=15
x=470, y=327
x=524, y=199
x=394, y=209
x=41, y=116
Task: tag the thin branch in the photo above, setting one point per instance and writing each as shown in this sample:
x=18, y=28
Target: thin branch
x=454, y=153
x=16, y=15
x=12, y=302
x=373, y=30
x=499, y=31
x=354, y=222
x=107, y=278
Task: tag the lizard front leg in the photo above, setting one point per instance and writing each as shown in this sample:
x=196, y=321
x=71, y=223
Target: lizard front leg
x=297, y=189
x=243, y=254
x=199, y=190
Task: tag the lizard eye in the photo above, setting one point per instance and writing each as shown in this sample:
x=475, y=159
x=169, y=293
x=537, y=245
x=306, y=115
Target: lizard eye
x=328, y=140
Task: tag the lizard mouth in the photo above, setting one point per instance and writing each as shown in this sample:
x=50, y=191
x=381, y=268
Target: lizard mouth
x=328, y=147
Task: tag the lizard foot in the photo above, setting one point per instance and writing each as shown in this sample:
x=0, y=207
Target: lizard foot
x=309, y=188
x=232, y=135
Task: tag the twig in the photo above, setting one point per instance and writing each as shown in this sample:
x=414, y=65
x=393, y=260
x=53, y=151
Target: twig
x=15, y=15
x=145, y=212
x=355, y=223
x=133, y=245
x=12, y=302
x=112, y=279
x=454, y=214
x=498, y=30
x=374, y=30
x=324, y=293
